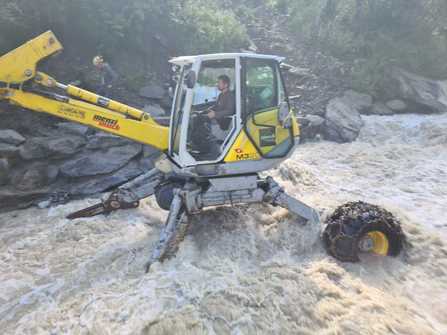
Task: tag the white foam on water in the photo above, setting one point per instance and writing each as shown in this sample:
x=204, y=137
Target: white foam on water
x=246, y=270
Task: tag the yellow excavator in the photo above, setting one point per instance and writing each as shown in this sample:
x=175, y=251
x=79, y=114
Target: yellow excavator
x=205, y=162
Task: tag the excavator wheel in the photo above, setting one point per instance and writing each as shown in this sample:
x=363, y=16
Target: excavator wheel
x=164, y=194
x=358, y=227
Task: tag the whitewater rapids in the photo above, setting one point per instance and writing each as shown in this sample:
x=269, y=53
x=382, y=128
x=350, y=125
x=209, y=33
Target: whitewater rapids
x=246, y=270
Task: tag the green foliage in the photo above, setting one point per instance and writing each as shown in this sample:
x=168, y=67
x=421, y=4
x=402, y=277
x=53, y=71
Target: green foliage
x=144, y=28
x=374, y=34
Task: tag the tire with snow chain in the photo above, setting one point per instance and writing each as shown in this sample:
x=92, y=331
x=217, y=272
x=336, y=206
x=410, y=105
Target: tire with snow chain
x=359, y=227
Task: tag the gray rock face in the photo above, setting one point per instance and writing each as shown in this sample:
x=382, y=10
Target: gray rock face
x=8, y=150
x=101, y=162
x=343, y=122
x=107, y=182
x=9, y=136
x=154, y=110
x=155, y=92
x=4, y=171
x=311, y=126
x=73, y=128
x=360, y=101
x=44, y=147
x=35, y=176
x=420, y=90
x=14, y=199
x=380, y=109
x=397, y=105
x=103, y=141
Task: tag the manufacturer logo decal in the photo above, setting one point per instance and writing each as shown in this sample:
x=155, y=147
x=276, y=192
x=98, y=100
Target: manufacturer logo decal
x=106, y=122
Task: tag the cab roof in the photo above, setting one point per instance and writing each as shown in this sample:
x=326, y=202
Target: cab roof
x=184, y=60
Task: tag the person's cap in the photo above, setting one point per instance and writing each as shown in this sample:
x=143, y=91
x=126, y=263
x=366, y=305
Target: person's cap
x=97, y=60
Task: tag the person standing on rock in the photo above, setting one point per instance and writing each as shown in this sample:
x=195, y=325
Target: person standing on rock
x=108, y=75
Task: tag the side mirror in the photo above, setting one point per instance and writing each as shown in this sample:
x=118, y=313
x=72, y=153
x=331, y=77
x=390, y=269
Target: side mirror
x=190, y=79
x=284, y=115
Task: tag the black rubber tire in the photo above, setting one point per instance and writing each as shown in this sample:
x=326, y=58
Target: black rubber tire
x=351, y=222
x=164, y=194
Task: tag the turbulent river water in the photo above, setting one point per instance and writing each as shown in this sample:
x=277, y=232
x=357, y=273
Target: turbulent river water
x=246, y=270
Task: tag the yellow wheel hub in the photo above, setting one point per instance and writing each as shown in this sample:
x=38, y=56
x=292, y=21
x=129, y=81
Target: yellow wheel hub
x=379, y=242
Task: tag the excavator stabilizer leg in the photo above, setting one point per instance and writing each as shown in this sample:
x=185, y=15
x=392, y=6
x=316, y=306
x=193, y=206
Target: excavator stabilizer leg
x=173, y=232
x=276, y=196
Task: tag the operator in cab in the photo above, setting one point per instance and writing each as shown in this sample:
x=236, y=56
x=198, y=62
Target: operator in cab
x=225, y=107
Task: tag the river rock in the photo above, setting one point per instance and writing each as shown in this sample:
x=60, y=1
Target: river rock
x=35, y=176
x=380, y=109
x=360, y=101
x=4, y=171
x=154, y=110
x=154, y=91
x=420, y=90
x=100, y=162
x=397, y=105
x=73, y=128
x=104, y=141
x=44, y=147
x=343, y=121
x=11, y=198
x=8, y=150
x=311, y=126
x=107, y=182
x=10, y=136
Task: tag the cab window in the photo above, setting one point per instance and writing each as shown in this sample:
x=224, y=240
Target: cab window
x=264, y=93
x=261, y=85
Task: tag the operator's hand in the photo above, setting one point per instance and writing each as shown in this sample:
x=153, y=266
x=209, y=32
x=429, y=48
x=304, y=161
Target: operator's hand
x=211, y=114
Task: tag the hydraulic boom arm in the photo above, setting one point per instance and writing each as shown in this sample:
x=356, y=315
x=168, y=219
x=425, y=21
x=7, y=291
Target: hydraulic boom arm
x=18, y=71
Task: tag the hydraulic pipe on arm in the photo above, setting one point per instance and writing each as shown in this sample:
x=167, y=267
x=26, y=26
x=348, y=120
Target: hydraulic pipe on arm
x=18, y=69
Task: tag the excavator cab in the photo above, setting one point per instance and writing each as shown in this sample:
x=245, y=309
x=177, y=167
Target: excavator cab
x=259, y=131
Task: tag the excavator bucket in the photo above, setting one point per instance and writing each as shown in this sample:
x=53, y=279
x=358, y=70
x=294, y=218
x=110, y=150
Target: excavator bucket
x=20, y=64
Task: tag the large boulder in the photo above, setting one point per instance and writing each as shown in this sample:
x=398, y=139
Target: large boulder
x=107, y=182
x=58, y=147
x=311, y=126
x=425, y=92
x=8, y=150
x=74, y=128
x=104, y=141
x=4, y=171
x=10, y=136
x=11, y=198
x=397, y=105
x=154, y=110
x=360, y=101
x=380, y=109
x=34, y=176
x=343, y=121
x=100, y=162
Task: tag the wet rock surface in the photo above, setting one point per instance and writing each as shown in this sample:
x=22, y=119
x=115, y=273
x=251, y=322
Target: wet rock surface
x=10, y=136
x=360, y=101
x=102, y=162
x=40, y=162
x=380, y=109
x=425, y=92
x=343, y=122
x=46, y=147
